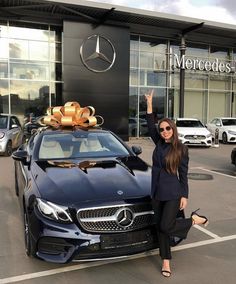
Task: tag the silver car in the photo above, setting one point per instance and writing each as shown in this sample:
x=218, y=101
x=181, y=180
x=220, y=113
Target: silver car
x=11, y=134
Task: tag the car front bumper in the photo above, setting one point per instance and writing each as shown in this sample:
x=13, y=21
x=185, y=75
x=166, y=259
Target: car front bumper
x=3, y=144
x=231, y=138
x=62, y=243
x=196, y=142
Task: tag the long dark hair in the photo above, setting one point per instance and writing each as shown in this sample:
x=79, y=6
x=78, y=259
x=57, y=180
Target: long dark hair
x=176, y=151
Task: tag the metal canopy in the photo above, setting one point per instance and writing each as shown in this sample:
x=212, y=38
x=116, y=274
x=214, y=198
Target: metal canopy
x=138, y=21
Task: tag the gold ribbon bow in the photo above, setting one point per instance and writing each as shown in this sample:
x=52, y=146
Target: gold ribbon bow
x=72, y=114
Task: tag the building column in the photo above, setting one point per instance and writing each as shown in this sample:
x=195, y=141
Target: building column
x=182, y=49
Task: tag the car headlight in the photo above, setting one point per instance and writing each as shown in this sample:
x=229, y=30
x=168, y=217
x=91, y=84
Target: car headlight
x=2, y=134
x=232, y=132
x=208, y=135
x=53, y=211
x=181, y=135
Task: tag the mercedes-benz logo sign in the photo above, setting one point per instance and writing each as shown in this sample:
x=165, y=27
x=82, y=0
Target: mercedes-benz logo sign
x=97, y=53
x=124, y=217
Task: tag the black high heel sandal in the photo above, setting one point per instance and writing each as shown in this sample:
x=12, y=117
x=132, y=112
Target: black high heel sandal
x=166, y=273
x=205, y=223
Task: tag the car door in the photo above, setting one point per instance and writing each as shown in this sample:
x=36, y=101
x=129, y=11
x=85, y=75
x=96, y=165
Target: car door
x=15, y=132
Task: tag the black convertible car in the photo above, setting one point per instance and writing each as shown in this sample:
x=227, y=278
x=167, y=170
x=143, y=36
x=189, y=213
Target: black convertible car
x=84, y=194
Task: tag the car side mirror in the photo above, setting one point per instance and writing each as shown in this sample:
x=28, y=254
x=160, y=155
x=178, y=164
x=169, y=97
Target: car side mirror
x=137, y=150
x=21, y=156
x=14, y=126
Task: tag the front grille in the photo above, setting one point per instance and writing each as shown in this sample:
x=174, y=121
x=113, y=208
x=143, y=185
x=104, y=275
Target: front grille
x=117, y=218
x=195, y=137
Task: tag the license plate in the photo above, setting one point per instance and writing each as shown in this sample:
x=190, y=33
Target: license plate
x=126, y=239
x=194, y=141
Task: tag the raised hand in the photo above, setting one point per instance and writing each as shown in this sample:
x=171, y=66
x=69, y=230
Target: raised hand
x=148, y=97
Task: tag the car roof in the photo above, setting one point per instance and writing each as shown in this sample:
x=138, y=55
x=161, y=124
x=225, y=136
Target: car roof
x=187, y=118
x=51, y=130
x=219, y=117
x=6, y=114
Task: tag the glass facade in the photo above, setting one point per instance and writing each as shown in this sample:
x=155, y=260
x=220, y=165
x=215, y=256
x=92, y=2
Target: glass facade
x=210, y=79
x=30, y=70
x=31, y=76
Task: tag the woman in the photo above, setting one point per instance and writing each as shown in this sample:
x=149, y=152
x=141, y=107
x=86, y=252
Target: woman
x=169, y=185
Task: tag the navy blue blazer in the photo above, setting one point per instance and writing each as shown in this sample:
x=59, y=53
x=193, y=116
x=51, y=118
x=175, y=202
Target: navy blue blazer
x=166, y=186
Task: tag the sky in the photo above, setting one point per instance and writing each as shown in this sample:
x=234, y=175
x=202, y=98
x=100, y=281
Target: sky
x=222, y=11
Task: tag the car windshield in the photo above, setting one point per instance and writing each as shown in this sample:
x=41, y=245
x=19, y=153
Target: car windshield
x=3, y=122
x=81, y=145
x=189, y=123
x=229, y=122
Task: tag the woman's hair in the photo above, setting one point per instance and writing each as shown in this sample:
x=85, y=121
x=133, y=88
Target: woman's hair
x=177, y=149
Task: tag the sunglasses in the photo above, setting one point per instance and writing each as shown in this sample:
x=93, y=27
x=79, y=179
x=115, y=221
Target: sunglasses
x=168, y=128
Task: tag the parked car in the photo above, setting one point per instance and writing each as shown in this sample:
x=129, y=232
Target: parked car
x=133, y=126
x=226, y=126
x=233, y=156
x=84, y=194
x=192, y=132
x=11, y=134
x=30, y=126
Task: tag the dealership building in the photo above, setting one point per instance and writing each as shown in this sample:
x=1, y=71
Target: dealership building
x=109, y=56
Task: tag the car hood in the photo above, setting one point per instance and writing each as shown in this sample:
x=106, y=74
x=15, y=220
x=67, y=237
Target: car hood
x=193, y=130
x=230, y=127
x=110, y=179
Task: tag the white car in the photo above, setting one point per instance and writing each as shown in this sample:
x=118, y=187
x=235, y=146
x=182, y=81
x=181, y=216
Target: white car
x=226, y=127
x=11, y=134
x=191, y=131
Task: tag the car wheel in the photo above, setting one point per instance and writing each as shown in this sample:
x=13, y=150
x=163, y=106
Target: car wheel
x=8, y=150
x=29, y=248
x=224, y=138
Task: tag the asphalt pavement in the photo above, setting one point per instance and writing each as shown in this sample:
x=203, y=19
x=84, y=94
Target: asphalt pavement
x=208, y=256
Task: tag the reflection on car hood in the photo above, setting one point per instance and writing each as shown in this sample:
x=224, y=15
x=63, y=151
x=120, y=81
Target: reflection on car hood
x=94, y=180
x=193, y=130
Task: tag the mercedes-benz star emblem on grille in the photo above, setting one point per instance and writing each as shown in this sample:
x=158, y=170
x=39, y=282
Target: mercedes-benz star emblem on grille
x=124, y=217
x=98, y=53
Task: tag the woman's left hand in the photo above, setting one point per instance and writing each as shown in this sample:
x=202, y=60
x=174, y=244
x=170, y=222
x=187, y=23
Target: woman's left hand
x=183, y=203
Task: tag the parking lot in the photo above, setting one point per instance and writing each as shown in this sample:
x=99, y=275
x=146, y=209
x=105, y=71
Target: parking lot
x=208, y=256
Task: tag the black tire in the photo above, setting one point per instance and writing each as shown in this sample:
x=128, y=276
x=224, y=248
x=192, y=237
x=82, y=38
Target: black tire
x=8, y=150
x=224, y=138
x=234, y=160
x=30, y=249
